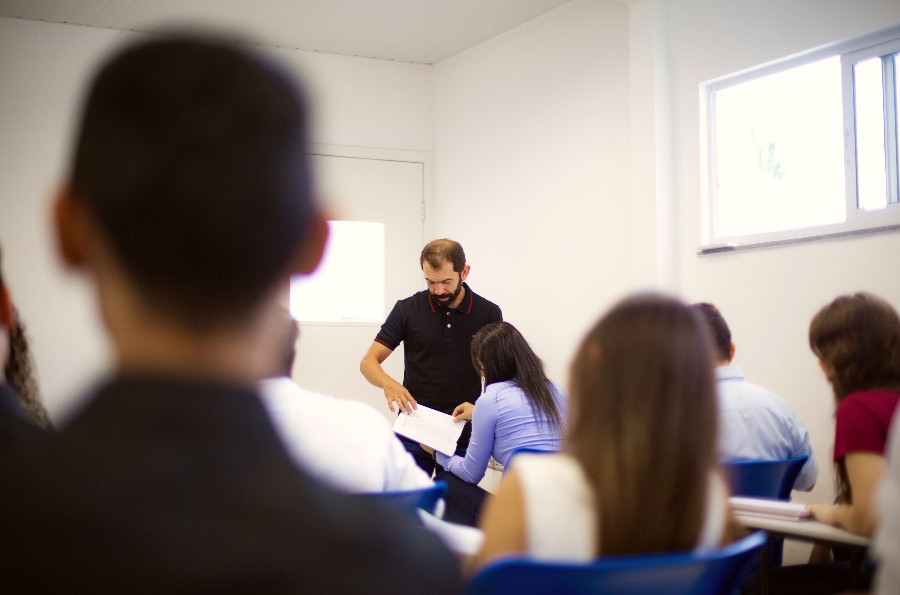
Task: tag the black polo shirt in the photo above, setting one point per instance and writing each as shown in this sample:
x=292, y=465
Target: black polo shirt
x=438, y=370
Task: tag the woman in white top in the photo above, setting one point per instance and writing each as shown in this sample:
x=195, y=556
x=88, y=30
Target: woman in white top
x=638, y=472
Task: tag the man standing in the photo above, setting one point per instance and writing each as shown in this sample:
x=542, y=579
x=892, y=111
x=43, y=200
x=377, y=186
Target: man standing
x=436, y=326
x=755, y=425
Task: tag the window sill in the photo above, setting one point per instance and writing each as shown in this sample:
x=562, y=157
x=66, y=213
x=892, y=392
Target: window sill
x=751, y=245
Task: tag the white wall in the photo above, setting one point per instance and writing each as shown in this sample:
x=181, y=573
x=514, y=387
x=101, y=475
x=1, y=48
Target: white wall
x=567, y=163
x=769, y=295
x=532, y=170
x=43, y=68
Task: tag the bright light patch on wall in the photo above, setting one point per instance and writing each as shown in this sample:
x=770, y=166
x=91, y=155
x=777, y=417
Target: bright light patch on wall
x=871, y=175
x=348, y=286
x=779, y=151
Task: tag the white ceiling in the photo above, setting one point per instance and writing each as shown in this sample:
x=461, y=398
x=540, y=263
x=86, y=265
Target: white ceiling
x=422, y=31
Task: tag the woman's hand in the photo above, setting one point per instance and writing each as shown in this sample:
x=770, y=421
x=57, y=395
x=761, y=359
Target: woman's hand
x=427, y=449
x=463, y=412
x=824, y=513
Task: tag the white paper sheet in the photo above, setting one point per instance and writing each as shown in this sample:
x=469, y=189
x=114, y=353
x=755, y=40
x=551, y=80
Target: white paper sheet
x=431, y=428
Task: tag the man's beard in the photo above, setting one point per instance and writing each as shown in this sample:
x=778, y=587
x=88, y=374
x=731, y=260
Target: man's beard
x=447, y=299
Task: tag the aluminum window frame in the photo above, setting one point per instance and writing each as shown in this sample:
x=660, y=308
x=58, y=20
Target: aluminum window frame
x=858, y=221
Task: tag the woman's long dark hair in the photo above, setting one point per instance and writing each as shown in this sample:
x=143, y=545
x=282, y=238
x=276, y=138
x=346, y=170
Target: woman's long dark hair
x=643, y=424
x=858, y=338
x=503, y=353
x=21, y=375
x=19, y=369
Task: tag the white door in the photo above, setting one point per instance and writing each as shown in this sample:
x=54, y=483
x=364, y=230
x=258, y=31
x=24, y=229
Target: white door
x=375, y=190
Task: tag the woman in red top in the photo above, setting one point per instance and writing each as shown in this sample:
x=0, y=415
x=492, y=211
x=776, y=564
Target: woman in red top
x=857, y=341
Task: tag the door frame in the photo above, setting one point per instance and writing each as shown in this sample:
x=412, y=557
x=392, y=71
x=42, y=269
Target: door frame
x=426, y=159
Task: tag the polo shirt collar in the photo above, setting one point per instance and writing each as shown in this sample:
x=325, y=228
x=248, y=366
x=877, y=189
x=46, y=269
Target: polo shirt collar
x=729, y=373
x=464, y=308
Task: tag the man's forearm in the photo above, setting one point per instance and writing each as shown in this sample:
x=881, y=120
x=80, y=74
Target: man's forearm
x=373, y=372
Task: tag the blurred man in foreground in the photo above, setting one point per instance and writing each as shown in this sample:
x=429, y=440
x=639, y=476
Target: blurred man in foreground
x=188, y=202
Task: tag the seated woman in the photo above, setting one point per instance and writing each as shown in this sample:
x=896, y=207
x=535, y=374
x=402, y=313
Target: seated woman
x=857, y=341
x=639, y=471
x=520, y=408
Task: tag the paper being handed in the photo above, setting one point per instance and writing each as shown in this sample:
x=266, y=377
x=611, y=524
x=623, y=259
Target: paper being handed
x=431, y=428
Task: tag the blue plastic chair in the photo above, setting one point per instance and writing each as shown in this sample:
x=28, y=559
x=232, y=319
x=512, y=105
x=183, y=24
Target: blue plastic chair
x=524, y=449
x=410, y=500
x=765, y=479
x=683, y=573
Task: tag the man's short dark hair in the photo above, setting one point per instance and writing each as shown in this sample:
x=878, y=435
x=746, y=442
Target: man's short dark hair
x=720, y=332
x=437, y=252
x=192, y=158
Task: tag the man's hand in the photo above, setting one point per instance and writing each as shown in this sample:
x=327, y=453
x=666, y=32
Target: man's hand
x=395, y=392
x=463, y=412
x=427, y=449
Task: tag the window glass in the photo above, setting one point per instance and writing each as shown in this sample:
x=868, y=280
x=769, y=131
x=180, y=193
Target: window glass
x=868, y=93
x=896, y=58
x=348, y=286
x=779, y=151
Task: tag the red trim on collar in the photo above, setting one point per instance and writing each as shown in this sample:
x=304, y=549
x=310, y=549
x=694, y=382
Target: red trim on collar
x=430, y=303
x=471, y=300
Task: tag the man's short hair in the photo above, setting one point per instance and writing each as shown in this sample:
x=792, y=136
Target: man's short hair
x=437, y=252
x=720, y=332
x=192, y=158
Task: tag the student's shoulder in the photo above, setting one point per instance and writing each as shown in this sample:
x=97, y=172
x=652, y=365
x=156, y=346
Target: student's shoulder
x=536, y=470
x=429, y=567
x=346, y=409
x=878, y=404
x=746, y=395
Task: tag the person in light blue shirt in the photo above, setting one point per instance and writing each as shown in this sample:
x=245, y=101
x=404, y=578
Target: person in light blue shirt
x=755, y=424
x=519, y=408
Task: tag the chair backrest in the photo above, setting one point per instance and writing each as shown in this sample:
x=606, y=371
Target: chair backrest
x=524, y=449
x=720, y=571
x=410, y=500
x=764, y=479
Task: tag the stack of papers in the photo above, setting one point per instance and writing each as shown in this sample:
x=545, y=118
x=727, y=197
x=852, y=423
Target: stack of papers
x=431, y=428
x=769, y=509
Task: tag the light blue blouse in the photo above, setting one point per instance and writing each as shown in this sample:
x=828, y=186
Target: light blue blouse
x=502, y=422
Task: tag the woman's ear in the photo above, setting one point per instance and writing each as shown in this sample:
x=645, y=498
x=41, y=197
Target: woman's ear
x=310, y=252
x=827, y=369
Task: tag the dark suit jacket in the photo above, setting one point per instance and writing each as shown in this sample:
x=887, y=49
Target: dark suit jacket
x=169, y=486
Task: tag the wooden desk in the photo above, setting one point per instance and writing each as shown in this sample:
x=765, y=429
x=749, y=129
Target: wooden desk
x=805, y=530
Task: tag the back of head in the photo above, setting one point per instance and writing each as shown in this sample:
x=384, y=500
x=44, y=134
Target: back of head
x=858, y=337
x=644, y=422
x=437, y=252
x=192, y=158
x=719, y=330
x=504, y=354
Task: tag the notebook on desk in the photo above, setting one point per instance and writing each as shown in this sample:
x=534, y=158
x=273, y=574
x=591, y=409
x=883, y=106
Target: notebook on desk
x=769, y=509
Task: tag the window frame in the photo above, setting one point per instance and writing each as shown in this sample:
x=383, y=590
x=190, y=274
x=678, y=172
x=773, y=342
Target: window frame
x=881, y=43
